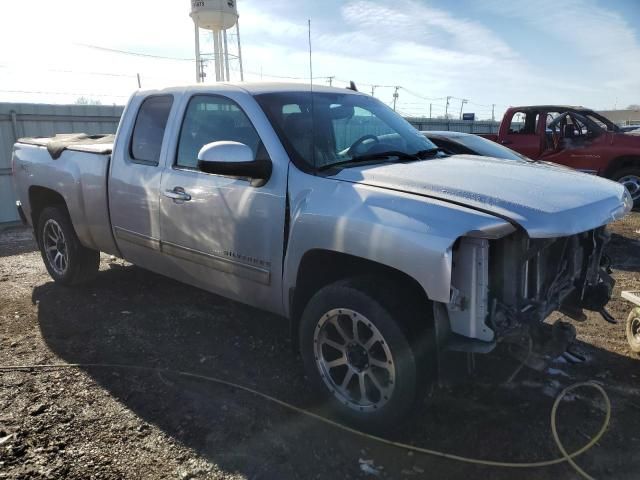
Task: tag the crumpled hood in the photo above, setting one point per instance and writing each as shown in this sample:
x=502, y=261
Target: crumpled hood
x=545, y=200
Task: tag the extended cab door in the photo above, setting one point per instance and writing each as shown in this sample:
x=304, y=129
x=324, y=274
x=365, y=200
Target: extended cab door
x=574, y=142
x=134, y=181
x=220, y=232
x=522, y=132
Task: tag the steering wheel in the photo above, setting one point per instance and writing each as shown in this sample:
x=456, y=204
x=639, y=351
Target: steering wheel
x=360, y=141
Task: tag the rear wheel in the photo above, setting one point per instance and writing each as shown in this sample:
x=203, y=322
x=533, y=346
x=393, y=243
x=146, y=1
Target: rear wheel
x=358, y=353
x=67, y=261
x=633, y=329
x=630, y=178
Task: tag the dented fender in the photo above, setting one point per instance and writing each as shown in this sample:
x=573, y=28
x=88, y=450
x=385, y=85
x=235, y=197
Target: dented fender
x=404, y=231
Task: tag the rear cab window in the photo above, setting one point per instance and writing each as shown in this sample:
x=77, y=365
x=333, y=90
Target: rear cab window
x=149, y=129
x=524, y=123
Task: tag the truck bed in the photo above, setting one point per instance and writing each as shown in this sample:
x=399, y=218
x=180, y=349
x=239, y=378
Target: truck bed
x=79, y=142
x=78, y=170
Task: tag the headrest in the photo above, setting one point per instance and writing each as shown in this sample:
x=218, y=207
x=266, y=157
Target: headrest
x=297, y=124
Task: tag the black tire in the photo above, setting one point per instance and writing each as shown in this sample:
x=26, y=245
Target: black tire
x=633, y=329
x=401, y=323
x=79, y=264
x=630, y=177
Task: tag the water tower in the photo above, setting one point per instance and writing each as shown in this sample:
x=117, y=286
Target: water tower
x=217, y=17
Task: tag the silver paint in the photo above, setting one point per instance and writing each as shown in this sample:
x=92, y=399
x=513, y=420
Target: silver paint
x=227, y=236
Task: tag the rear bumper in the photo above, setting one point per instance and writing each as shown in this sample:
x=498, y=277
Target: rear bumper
x=23, y=217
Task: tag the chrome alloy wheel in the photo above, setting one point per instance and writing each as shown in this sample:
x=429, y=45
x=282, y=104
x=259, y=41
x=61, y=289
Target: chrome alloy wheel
x=632, y=182
x=354, y=360
x=635, y=329
x=55, y=247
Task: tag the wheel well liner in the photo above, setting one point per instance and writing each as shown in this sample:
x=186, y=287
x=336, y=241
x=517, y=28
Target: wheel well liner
x=619, y=163
x=39, y=199
x=319, y=268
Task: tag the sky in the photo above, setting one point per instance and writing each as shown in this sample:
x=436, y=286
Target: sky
x=502, y=52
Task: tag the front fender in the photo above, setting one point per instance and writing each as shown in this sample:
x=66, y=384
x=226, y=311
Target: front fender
x=406, y=232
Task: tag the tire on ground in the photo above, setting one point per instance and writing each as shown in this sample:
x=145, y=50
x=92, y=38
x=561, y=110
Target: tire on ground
x=630, y=172
x=633, y=329
x=83, y=263
x=406, y=326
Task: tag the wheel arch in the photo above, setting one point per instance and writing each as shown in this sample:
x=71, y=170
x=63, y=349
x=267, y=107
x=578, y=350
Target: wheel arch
x=319, y=268
x=41, y=198
x=621, y=162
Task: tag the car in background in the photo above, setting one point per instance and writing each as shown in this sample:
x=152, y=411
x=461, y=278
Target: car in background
x=576, y=137
x=456, y=143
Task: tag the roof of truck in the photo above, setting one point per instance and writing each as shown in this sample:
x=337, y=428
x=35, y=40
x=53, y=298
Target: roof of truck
x=253, y=88
x=553, y=108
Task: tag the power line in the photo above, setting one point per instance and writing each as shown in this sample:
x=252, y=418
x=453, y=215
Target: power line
x=89, y=94
x=421, y=96
x=136, y=54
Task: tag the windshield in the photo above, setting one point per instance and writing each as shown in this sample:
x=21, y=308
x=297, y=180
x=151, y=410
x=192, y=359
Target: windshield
x=343, y=128
x=488, y=148
x=603, y=122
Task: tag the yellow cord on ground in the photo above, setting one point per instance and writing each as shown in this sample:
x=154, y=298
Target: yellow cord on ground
x=566, y=457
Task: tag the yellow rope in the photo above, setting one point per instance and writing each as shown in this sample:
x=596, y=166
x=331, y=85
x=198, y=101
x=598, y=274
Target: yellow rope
x=566, y=457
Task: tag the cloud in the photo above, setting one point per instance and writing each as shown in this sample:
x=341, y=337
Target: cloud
x=433, y=51
x=411, y=19
x=601, y=38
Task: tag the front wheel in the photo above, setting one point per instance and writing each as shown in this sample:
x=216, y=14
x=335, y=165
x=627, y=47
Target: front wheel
x=67, y=261
x=633, y=329
x=358, y=354
x=630, y=178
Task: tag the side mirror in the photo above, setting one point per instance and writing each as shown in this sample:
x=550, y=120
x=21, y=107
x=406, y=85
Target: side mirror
x=234, y=159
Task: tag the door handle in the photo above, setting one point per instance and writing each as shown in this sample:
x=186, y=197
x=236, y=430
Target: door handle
x=177, y=193
x=506, y=142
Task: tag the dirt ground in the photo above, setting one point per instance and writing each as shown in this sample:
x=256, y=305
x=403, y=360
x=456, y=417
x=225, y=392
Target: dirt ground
x=96, y=423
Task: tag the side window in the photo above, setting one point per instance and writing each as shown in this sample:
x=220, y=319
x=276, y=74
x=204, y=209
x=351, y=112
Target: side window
x=213, y=119
x=149, y=128
x=525, y=123
x=551, y=116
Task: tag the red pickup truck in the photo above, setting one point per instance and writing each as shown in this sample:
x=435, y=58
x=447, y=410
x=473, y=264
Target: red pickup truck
x=576, y=137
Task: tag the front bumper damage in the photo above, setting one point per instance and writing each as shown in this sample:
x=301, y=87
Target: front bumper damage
x=532, y=278
x=504, y=289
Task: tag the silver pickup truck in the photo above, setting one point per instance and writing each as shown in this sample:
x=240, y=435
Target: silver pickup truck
x=326, y=207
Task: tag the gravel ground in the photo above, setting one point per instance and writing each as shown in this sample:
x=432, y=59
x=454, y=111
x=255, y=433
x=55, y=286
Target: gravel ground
x=93, y=423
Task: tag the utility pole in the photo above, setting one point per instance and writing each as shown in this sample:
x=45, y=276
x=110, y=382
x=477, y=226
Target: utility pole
x=493, y=111
x=395, y=97
x=330, y=80
x=139, y=81
x=446, y=108
x=201, y=73
x=430, y=107
x=464, y=100
x=373, y=90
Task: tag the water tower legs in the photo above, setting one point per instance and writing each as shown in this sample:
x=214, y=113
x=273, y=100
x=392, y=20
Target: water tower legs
x=217, y=57
x=239, y=51
x=199, y=70
x=226, y=56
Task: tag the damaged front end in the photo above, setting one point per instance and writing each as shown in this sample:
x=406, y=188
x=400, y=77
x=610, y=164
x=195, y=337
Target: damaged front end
x=532, y=278
x=504, y=289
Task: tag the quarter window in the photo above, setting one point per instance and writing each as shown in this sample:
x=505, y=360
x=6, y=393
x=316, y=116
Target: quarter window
x=213, y=119
x=524, y=123
x=148, y=132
